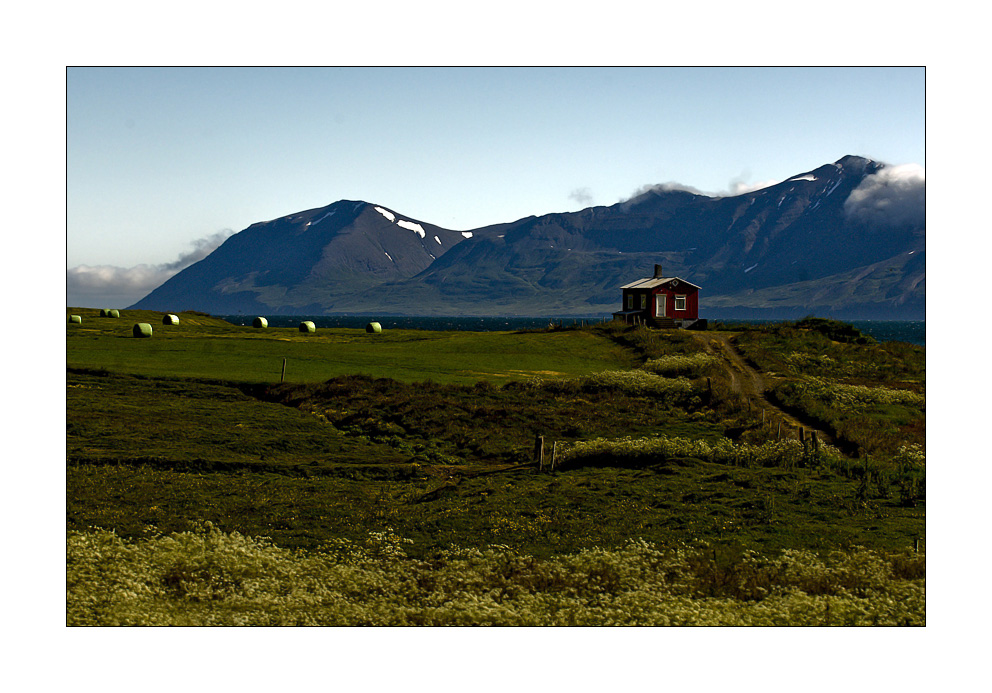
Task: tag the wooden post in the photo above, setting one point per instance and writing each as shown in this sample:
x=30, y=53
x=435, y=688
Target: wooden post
x=539, y=451
x=916, y=544
x=282, y=377
x=554, y=455
x=780, y=430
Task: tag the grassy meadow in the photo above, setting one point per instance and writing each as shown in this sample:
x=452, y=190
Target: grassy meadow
x=391, y=478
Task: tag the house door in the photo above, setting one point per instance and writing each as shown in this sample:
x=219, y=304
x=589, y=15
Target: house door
x=659, y=305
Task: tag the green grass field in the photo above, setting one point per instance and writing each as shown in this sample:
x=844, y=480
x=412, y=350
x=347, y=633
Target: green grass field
x=208, y=348
x=429, y=437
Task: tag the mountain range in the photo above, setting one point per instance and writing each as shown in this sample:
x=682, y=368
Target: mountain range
x=844, y=240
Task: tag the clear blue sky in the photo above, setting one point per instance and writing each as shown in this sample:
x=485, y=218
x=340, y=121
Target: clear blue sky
x=159, y=159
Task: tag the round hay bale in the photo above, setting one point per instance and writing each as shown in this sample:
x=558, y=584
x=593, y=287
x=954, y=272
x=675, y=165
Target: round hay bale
x=142, y=329
x=76, y=319
x=259, y=322
x=113, y=313
x=170, y=319
x=373, y=327
x=104, y=313
x=307, y=326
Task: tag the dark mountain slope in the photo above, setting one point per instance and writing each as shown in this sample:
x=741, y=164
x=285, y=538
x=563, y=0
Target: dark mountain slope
x=762, y=251
x=787, y=250
x=306, y=262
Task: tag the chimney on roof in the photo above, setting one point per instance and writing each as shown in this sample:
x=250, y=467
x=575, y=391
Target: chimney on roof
x=657, y=272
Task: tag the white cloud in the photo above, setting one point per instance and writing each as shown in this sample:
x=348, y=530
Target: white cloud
x=663, y=187
x=893, y=196
x=581, y=195
x=739, y=187
x=96, y=286
x=735, y=187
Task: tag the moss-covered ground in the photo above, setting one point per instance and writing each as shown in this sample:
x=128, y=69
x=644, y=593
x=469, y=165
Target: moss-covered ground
x=436, y=455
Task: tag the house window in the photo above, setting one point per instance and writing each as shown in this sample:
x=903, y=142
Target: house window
x=680, y=303
x=644, y=301
x=630, y=301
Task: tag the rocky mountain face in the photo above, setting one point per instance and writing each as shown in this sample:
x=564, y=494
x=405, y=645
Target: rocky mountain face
x=845, y=240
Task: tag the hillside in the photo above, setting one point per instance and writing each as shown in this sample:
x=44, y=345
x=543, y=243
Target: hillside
x=681, y=481
x=841, y=240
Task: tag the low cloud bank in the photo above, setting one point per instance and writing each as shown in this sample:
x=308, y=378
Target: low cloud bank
x=661, y=188
x=115, y=287
x=734, y=188
x=740, y=187
x=894, y=196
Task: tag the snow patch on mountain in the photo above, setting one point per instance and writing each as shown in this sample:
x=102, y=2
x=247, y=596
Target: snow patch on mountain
x=386, y=213
x=467, y=234
x=413, y=226
x=314, y=223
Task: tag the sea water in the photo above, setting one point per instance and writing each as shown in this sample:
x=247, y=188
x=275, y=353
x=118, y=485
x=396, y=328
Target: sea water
x=912, y=331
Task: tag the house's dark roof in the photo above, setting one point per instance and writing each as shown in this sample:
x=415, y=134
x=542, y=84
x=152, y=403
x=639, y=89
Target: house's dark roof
x=652, y=282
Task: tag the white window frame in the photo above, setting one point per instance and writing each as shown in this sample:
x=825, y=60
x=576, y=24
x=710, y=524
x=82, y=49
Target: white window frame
x=630, y=301
x=678, y=300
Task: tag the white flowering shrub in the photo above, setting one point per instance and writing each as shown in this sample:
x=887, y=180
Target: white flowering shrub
x=799, y=362
x=638, y=451
x=633, y=382
x=910, y=457
x=844, y=396
x=691, y=365
x=207, y=577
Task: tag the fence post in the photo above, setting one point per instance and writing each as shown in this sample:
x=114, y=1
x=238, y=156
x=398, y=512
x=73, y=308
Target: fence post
x=539, y=451
x=554, y=455
x=282, y=377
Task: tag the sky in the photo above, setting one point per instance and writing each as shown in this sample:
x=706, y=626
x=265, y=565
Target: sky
x=162, y=164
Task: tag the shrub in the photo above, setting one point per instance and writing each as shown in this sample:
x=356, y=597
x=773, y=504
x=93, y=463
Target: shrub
x=692, y=365
x=854, y=396
x=635, y=383
x=643, y=451
x=207, y=577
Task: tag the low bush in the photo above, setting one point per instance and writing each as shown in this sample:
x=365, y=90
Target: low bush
x=692, y=365
x=635, y=383
x=644, y=451
x=844, y=396
x=207, y=577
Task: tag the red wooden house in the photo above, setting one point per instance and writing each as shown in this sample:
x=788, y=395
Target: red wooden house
x=661, y=301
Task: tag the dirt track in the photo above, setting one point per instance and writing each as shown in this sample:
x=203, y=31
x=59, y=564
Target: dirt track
x=752, y=385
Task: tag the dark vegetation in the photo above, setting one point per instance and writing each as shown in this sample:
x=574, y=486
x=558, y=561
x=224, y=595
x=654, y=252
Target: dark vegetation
x=452, y=462
x=874, y=400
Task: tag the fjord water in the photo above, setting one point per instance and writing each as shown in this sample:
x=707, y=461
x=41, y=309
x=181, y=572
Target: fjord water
x=911, y=331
